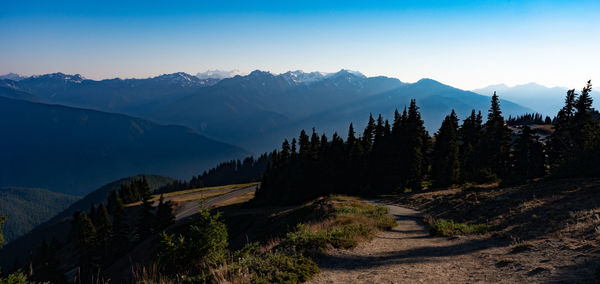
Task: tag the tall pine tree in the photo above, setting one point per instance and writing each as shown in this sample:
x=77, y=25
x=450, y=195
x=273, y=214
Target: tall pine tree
x=445, y=169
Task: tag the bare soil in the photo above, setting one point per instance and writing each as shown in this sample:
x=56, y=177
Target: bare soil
x=409, y=254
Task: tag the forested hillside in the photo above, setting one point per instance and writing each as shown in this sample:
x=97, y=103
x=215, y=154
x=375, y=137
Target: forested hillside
x=26, y=208
x=57, y=225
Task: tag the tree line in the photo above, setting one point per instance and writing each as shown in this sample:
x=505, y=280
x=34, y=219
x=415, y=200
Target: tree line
x=400, y=156
x=230, y=172
x=528, y=119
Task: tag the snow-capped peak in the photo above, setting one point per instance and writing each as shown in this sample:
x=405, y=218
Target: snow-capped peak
x=218, y=74
x=299, y=77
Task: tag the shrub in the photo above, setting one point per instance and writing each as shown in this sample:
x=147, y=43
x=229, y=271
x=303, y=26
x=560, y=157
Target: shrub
x=204, y=245
x=442, y=227
x=281, y=268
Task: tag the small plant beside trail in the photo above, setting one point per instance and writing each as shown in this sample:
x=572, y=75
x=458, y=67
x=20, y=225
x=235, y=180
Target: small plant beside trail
x=345, y=223
x=447, y=228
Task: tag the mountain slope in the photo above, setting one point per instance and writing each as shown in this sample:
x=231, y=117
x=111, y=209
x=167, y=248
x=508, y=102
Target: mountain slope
x=435, y=99
x=248, y=108
x=58, y=225
x=29, y=207
x=544, y=100
x=259, y=109
x=71, y=150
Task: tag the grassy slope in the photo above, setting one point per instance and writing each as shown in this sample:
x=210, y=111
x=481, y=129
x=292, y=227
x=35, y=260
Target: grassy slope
x=29, y=207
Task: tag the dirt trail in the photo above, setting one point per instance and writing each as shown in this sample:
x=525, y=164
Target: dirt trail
x=408, y=254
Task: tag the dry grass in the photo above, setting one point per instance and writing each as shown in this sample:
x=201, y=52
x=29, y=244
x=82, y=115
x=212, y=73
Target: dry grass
x=229, y=186
x=200, y=193
x=236, y=200
x=346, y=222
x=199, y=196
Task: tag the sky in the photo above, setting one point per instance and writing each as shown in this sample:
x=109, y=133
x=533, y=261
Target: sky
x=466, y=44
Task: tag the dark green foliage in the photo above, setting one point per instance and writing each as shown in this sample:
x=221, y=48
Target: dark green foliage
x=445, y=168
x=64, y=227
x=529, y=159
x=201, y=247
x=104, y=230
x=2, y=220
x=575, y=144
x=164, y=214
x=416, y=142
x=29, y=207
x=528, y=119
x=496, y=141
x=385, y=159
x=146, y=222
x=85, y=234
x=447, y=228
x=471, y=135
x=18, y=277
x=134, y=191
x=281, y=268
x=47, y=265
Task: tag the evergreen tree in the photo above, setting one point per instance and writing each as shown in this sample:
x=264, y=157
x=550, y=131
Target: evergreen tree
x=368, y=133
x=351, y=140
x=562, y=142
x=2, y=219
x=496, y=140
x=304, y=145
x=471, y=148
x=529, y=160
x=379, y=131
x=445, y=157
x=114, y=204
x=587, y=129
x=86, y=234
x=164, y=213
x=144, y=189
x=416, y=144
x=146, y=219
x=104, y=230
x=315, y=144
x=293, y=146
x=285, y=150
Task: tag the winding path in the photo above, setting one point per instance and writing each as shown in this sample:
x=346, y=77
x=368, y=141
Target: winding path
x=408, y=254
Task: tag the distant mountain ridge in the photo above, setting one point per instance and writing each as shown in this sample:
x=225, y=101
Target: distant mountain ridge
x=255, y=110
x=542, y=99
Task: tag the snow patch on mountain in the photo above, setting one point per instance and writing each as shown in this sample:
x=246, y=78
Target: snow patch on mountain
x=218, y=74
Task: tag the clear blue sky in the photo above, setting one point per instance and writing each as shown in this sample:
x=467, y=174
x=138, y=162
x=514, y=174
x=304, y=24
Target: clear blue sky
x=468, y=44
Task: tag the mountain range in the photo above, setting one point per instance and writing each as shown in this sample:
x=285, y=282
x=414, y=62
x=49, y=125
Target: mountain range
x=544, y=100
x=73, y=150
x=257, y=110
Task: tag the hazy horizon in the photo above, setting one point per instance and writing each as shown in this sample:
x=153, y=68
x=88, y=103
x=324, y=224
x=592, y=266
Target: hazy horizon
x=220, y=75
x=463, y=44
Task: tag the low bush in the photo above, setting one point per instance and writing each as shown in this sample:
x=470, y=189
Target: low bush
x=446, y=228
x=347, y=222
